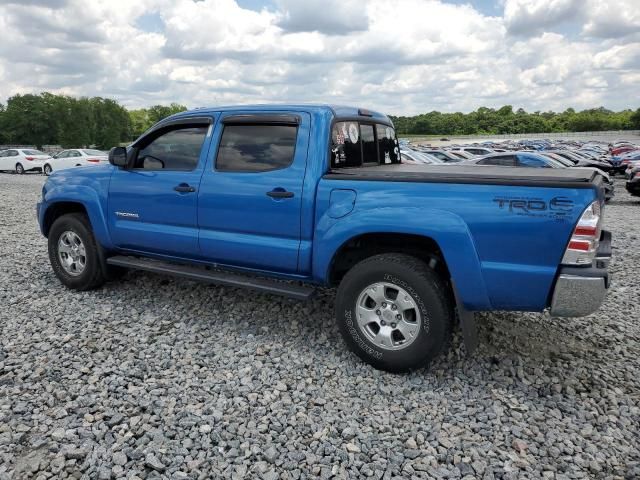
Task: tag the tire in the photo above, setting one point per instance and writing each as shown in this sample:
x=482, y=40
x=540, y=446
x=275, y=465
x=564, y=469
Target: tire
x=427, y=326
x=19, y=169
x=75, y=225
x=46, y=169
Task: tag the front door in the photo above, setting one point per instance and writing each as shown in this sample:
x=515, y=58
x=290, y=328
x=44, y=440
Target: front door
x=251, y=195
x=152, y=203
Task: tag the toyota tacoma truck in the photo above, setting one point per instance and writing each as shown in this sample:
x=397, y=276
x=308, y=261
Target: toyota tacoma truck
x=282, y=199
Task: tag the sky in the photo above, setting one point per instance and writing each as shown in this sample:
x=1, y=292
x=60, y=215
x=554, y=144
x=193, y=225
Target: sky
x=401, y=57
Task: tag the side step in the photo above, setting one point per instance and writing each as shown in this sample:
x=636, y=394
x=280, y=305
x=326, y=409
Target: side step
x=200, y=274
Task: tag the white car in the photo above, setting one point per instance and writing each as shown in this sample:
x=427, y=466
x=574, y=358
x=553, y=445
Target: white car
x=77, y=157
x=22, y=160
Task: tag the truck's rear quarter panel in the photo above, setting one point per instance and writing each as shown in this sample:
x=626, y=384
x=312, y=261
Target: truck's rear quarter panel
x=517, y=234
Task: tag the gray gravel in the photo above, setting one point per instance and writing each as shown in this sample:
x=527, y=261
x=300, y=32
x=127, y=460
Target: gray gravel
x=156, y=378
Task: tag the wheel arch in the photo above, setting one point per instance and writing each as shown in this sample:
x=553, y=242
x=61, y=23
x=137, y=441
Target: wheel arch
x=57, y=209
x=423, y=232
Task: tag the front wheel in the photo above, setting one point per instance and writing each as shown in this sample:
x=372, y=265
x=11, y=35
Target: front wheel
x=19, y=169
x=73, y=253
x=47, y=170
x=394, y=312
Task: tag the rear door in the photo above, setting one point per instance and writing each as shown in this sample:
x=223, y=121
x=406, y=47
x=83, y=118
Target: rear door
x=250, y=196
x=153, y=203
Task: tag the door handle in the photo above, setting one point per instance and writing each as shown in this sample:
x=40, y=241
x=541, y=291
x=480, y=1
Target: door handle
x=184, y=188
x=276, y=193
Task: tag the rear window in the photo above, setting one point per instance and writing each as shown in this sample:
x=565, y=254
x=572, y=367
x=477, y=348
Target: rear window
x=95, y=152
x=33, y=152
x=354, y=144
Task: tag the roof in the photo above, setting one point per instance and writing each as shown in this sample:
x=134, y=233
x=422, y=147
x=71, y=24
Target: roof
x=340, y=111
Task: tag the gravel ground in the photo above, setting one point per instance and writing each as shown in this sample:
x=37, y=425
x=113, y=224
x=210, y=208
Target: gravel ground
x=155, y=378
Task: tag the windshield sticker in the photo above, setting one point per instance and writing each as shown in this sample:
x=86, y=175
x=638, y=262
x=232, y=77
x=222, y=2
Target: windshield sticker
x=353, y=132
x=389, y=133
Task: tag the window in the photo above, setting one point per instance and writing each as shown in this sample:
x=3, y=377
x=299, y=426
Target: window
x=95, y=152
x=73, y=154
x=501, y=161
x=369, y=148
x=346, y=150
x=177, y=149
x=354, y=144
x=32, y=152
x=532, y=161
x=12, y=153
x=387, y=144
x=256, y=148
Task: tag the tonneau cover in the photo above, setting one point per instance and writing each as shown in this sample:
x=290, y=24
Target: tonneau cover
x=474, y=174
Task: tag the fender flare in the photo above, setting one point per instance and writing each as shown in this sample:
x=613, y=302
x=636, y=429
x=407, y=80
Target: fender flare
x=89, y=199
x=447, y=229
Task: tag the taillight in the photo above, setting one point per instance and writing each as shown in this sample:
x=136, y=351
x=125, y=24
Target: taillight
x=585, y=237
x=29, y=158
x=93, y=160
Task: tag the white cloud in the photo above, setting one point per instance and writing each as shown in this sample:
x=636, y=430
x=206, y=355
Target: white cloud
x=524, y=17
x=612, y=18
x=398, y=56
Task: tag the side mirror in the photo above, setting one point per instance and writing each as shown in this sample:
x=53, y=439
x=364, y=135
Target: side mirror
x=118, y=156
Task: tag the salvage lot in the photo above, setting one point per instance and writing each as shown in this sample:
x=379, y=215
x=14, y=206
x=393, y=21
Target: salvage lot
x=155, y=377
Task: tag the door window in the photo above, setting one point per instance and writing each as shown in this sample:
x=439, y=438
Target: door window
x=73, y=154
x=178, y=149
x=256, y=148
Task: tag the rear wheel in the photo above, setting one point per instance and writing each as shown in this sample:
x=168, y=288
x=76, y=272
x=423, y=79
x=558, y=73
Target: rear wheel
x=394, y=312
x=47, y=169
x=73, y=253
x=19, y=169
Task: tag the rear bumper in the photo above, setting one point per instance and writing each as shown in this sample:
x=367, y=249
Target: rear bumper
x=580, y=291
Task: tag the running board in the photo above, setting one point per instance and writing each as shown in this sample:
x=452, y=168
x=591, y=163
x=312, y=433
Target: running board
x=200, y=274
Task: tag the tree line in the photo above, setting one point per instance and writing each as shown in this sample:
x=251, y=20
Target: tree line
x=505, y=121
x=48, y=119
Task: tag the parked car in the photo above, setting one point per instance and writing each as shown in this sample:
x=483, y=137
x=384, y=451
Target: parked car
x=538, y=160
x=578, y=161
x=75, y=158
x=419, y=158
x=442, y=155
x=633, y=183
x=297, y=193
x=516, y=159
x=462, y=154
x=475, y=150
x=21, y=160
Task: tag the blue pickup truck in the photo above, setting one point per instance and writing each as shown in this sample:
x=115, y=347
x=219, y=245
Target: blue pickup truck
x=284, y=198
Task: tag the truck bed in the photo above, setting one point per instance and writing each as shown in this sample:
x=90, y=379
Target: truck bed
x=473, y=174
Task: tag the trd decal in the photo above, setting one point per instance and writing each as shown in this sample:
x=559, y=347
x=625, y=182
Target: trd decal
x=558, y=207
